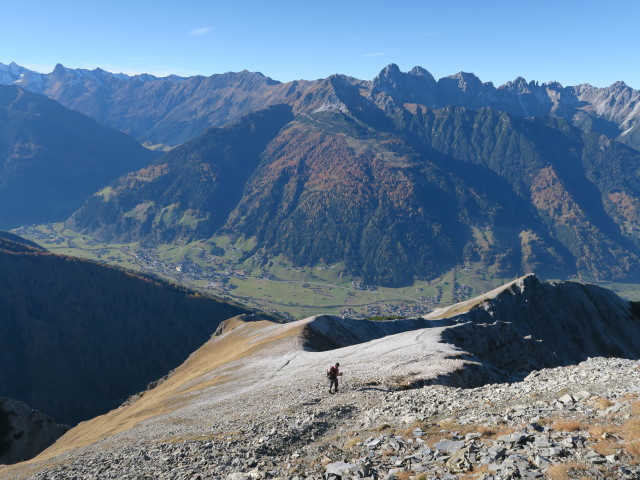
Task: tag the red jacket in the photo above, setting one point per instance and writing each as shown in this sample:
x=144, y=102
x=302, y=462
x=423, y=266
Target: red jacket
x=333, y=372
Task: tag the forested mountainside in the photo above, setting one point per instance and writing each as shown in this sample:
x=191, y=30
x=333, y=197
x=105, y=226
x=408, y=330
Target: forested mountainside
x=77, y=338
x=396, y=194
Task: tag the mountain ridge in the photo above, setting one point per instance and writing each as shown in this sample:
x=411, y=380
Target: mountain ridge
x=204, y=400
x=218, y=99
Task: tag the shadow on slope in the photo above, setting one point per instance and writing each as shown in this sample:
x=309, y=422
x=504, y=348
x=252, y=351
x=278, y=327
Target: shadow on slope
x=77, y=338
x=327, y=332
x=528, y=325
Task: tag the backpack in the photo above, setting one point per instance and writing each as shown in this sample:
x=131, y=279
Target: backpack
x=331, y=372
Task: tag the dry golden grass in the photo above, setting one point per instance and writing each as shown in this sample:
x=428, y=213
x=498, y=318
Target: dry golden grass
x=475, y=472
x=567, y=425
x=384, y=427
x=601, y=431
x=602, y=403
x=565, y=471
x=630, y=430
x=635, y=408
x=605, y=447
x=388, y=453
x=404, y=475
x=494, y=431
x=408, y=432
x=351, y=442
x=545, y=421
x=241, y=340
x=633, y=449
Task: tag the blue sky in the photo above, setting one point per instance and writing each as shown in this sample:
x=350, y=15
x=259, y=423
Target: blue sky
x=567, y=41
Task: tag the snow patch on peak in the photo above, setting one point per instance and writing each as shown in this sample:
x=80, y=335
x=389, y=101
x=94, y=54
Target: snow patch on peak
x=332, y=106
x=11, y=73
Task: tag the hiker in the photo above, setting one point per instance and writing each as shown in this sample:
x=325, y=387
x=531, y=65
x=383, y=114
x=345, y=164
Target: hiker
x=332, y=374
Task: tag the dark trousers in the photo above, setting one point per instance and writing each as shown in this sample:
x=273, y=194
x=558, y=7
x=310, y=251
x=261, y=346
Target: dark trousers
x=333, y=382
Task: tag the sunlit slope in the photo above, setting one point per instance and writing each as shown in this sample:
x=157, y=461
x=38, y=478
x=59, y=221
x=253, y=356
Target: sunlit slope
x=247, y=354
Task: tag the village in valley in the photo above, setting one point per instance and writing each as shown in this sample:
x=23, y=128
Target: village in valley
x=228, y=271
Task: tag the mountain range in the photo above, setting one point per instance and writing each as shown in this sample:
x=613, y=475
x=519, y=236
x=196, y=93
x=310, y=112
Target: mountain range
x=395, y=194
x=171, y=110
x=397, y=178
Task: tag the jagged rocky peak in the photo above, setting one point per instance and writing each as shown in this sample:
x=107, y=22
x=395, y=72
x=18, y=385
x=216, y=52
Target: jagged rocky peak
x=418, y=71
x=392, y=76
x=620, y=85
x=463, y=81
x=519, y=86
x=59, y=69
x=391, y=70
x=388, y=78
x=11, y=73
x=418, y=85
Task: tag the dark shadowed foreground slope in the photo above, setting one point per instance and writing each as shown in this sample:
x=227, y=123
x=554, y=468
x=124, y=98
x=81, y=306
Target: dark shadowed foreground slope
x=77, y=338
x=24, y=432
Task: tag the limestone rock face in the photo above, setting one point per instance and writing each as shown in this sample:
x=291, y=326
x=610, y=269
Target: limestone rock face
x=24, y=432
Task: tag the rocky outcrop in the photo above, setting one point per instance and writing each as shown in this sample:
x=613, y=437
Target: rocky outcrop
x=528, y=325
x=24, y=432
